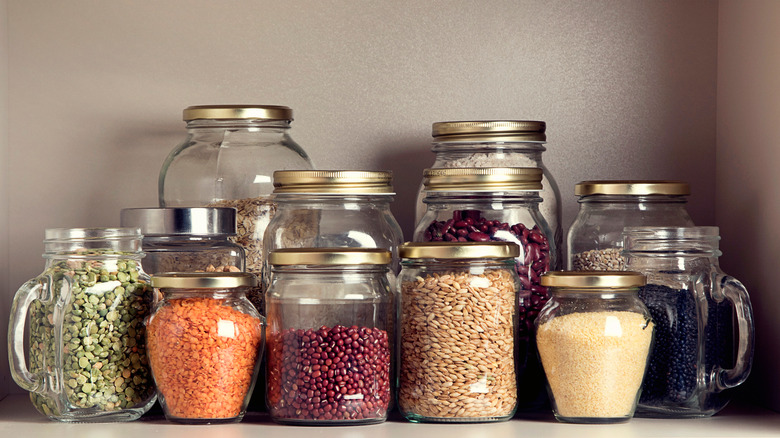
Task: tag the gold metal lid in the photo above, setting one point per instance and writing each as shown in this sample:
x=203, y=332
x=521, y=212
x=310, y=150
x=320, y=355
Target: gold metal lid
x=483, y=179
x=238, y=112
x=203, y=280
x=458, y=250
x=329, y=256
x=593, y=280
x=632, y=187
x=490, y=130
x=333, y=181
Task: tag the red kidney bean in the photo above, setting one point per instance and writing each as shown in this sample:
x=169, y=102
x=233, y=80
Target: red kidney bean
x=329, y=374
x=534, y=260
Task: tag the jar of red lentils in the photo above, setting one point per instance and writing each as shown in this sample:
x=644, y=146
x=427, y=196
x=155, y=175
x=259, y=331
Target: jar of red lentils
x=330, y=335
x=204, y=341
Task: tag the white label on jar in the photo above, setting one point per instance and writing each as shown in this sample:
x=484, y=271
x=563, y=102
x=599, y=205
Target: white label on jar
x=226, y=329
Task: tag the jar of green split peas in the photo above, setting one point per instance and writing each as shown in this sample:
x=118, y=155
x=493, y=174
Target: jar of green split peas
x=594, y=338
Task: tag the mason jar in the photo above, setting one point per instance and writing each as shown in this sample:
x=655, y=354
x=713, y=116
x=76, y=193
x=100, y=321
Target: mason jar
x=227, y=160
x=595, y=238
x=330, y=336
x=458, y=327
x=594, y=338
x=498, y=204
x=498, y=143
x=205, y=340
x=187, y=239
x=703, y=321
x=334, y=208
x=85, y=313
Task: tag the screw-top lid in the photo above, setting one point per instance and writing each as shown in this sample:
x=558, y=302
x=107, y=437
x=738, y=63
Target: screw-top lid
x=632, y=187
x=598, y=281
x=483, y=179
x=334, y=181
x=490, y=130
x=197, y=221
x=203, y=280
x=329, y=256
x=458, y=250
x=237, y=112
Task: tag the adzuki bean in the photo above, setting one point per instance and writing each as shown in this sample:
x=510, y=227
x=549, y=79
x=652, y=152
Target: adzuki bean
x=338, y=374
x=471, y=226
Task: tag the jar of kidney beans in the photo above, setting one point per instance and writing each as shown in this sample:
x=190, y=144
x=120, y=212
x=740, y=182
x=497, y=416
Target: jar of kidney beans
x=498, y=204
x=330, y=316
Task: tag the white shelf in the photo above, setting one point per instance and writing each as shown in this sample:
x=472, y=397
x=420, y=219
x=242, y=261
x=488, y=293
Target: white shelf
x=18, y=419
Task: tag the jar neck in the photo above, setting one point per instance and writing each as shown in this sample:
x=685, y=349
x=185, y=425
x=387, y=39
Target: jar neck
x=326, y=270
x=531, y=149
x=467, y=265
x=215, y=294
x=209, y=124
x=298, y=200
x=530, y=198
x=92, y=242
x=598, y=200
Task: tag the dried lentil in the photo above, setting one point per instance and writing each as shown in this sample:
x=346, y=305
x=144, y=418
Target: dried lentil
x=200, y=371
x=592, y=374
x=457, y=346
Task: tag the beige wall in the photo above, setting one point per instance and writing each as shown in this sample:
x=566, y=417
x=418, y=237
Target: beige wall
x=5, y=298
x=96, y=90
x=748, y=157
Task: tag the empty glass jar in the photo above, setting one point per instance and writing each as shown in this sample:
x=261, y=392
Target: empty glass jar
x=87, y=356
x=595, y=238
x=330, y=336
x=703, y=321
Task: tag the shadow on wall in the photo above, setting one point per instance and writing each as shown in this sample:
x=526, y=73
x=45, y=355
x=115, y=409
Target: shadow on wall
x=407, y=159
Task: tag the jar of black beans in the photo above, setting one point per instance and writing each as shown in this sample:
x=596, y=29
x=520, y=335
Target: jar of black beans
x=330, y=334
x=701, y=317
x=498, y=204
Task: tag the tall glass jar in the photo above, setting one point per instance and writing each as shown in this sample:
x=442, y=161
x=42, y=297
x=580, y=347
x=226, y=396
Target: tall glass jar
x=330, y=336
x=458, y=328
x=187, y=239
x=594, y=338
x=87, y=356
x=704, y=321
x=498, y=143
x=333, y=208
x=227, y=160
x=595, y=238
x=205, y=340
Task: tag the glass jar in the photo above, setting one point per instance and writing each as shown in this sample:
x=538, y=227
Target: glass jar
x=184, y=239
x=205, y=340
x=498, y=204
x=498, y=143
x=227, y=160
x=458, y=328
x=594, y=338
x=330, y=336
x=704, y=321
x=334, y=208
x=86, y=350
x=595, y=238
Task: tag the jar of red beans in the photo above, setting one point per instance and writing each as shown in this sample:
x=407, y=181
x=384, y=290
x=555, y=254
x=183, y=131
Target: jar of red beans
x=204, y=342
x=330, y=335
x=498, y=204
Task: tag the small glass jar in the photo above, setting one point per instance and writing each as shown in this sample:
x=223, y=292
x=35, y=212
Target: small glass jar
x=86, y=350
x=498, y=143
x=594, y=338
x=205, y=340
x=704, y=321
x=498, y=204
x=227, y=160
x=187, y=239
x=334, y=208
x=457, y=331
x=330, y=336
x=595, y=238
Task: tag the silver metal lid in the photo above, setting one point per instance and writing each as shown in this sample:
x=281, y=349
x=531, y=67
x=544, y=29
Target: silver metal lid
x=197, y=221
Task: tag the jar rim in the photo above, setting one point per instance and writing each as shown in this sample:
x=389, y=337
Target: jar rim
x=595, y=280
x=197, y=221
x=329, y=256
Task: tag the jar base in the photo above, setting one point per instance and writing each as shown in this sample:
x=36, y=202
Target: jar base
x=414, y=418
x=592, y=420
x=322, y=422
x=204, y=420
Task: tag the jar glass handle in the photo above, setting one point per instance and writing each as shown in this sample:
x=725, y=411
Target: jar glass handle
x=29, y=292
x=734, y=291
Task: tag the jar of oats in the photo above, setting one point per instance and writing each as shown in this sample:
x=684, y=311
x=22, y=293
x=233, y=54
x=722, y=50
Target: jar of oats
x=227, y=159
x=457, y=331
x=595, y=238
x=187, y=239
x=594, y=338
